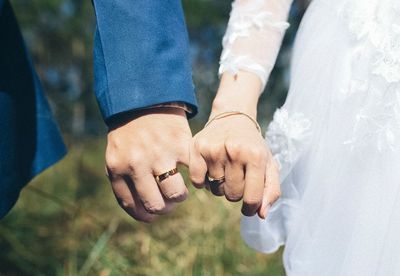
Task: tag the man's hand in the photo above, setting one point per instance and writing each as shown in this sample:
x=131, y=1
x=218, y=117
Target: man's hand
x=151, y=143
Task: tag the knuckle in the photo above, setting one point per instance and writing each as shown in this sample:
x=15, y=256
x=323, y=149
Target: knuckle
x=234, y=149
x=155, y=207
x=208, y=148
x=136, y=157
x=257, y=154
x=176, y=195
x=113, y=163
x=200, y=144
x=233, y=197
x=125, y=204
x=129, y=207
x=215, y=151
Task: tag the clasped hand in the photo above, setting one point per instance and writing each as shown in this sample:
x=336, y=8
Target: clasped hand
x=233, y=148
x=157, y=141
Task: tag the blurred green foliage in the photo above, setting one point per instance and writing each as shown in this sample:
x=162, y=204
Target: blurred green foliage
x=67, y=221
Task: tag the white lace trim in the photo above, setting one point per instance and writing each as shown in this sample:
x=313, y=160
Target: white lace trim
x=232, y=64
x=248, y=20
x=286, y=136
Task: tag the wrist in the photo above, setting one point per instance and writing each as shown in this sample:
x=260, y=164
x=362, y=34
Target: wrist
x=238, y=93
x=223, y=105
x=124, y=118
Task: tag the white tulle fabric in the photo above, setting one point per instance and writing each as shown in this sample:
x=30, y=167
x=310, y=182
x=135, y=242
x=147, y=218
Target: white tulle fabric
x=337, y=140
x=253, y=37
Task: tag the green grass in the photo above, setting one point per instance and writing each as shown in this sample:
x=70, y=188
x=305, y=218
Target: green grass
x=67, y=222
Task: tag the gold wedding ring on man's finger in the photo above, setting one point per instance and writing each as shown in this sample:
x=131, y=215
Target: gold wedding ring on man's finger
x=160, y=177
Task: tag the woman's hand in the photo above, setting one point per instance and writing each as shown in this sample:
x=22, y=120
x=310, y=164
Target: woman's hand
x=233, y=147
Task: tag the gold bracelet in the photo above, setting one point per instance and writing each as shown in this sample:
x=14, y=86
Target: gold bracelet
x=231, y=113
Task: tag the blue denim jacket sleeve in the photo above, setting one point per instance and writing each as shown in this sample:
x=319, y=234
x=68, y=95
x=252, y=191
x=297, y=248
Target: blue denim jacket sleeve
x=141, y=55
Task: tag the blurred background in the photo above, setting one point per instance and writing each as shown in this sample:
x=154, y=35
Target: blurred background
x=67, y=221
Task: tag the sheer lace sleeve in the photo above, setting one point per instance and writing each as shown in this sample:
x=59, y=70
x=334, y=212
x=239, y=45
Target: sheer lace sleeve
x=254, y=36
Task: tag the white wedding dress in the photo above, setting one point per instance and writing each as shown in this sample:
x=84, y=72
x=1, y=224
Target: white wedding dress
x=337, y=137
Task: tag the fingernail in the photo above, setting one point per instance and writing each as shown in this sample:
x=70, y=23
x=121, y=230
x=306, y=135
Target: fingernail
x=266, y=209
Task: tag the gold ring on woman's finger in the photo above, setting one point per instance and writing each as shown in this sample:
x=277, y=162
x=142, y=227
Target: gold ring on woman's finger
x=215, y=180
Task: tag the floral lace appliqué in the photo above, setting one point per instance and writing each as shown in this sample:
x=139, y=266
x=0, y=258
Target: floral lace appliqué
x=286, y=137
x=375, y=71
x=376, y=25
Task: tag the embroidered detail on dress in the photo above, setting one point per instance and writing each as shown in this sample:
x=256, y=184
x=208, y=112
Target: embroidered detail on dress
x=387, y=60
x=286, y=136
x=376, y=24
x=377, y=122
x=375, y=72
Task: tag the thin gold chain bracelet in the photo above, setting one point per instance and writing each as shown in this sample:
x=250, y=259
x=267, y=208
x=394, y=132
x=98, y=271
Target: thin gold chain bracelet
x=231, y=113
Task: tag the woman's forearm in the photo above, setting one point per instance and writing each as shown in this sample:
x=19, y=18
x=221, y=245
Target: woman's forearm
x=238, y=93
